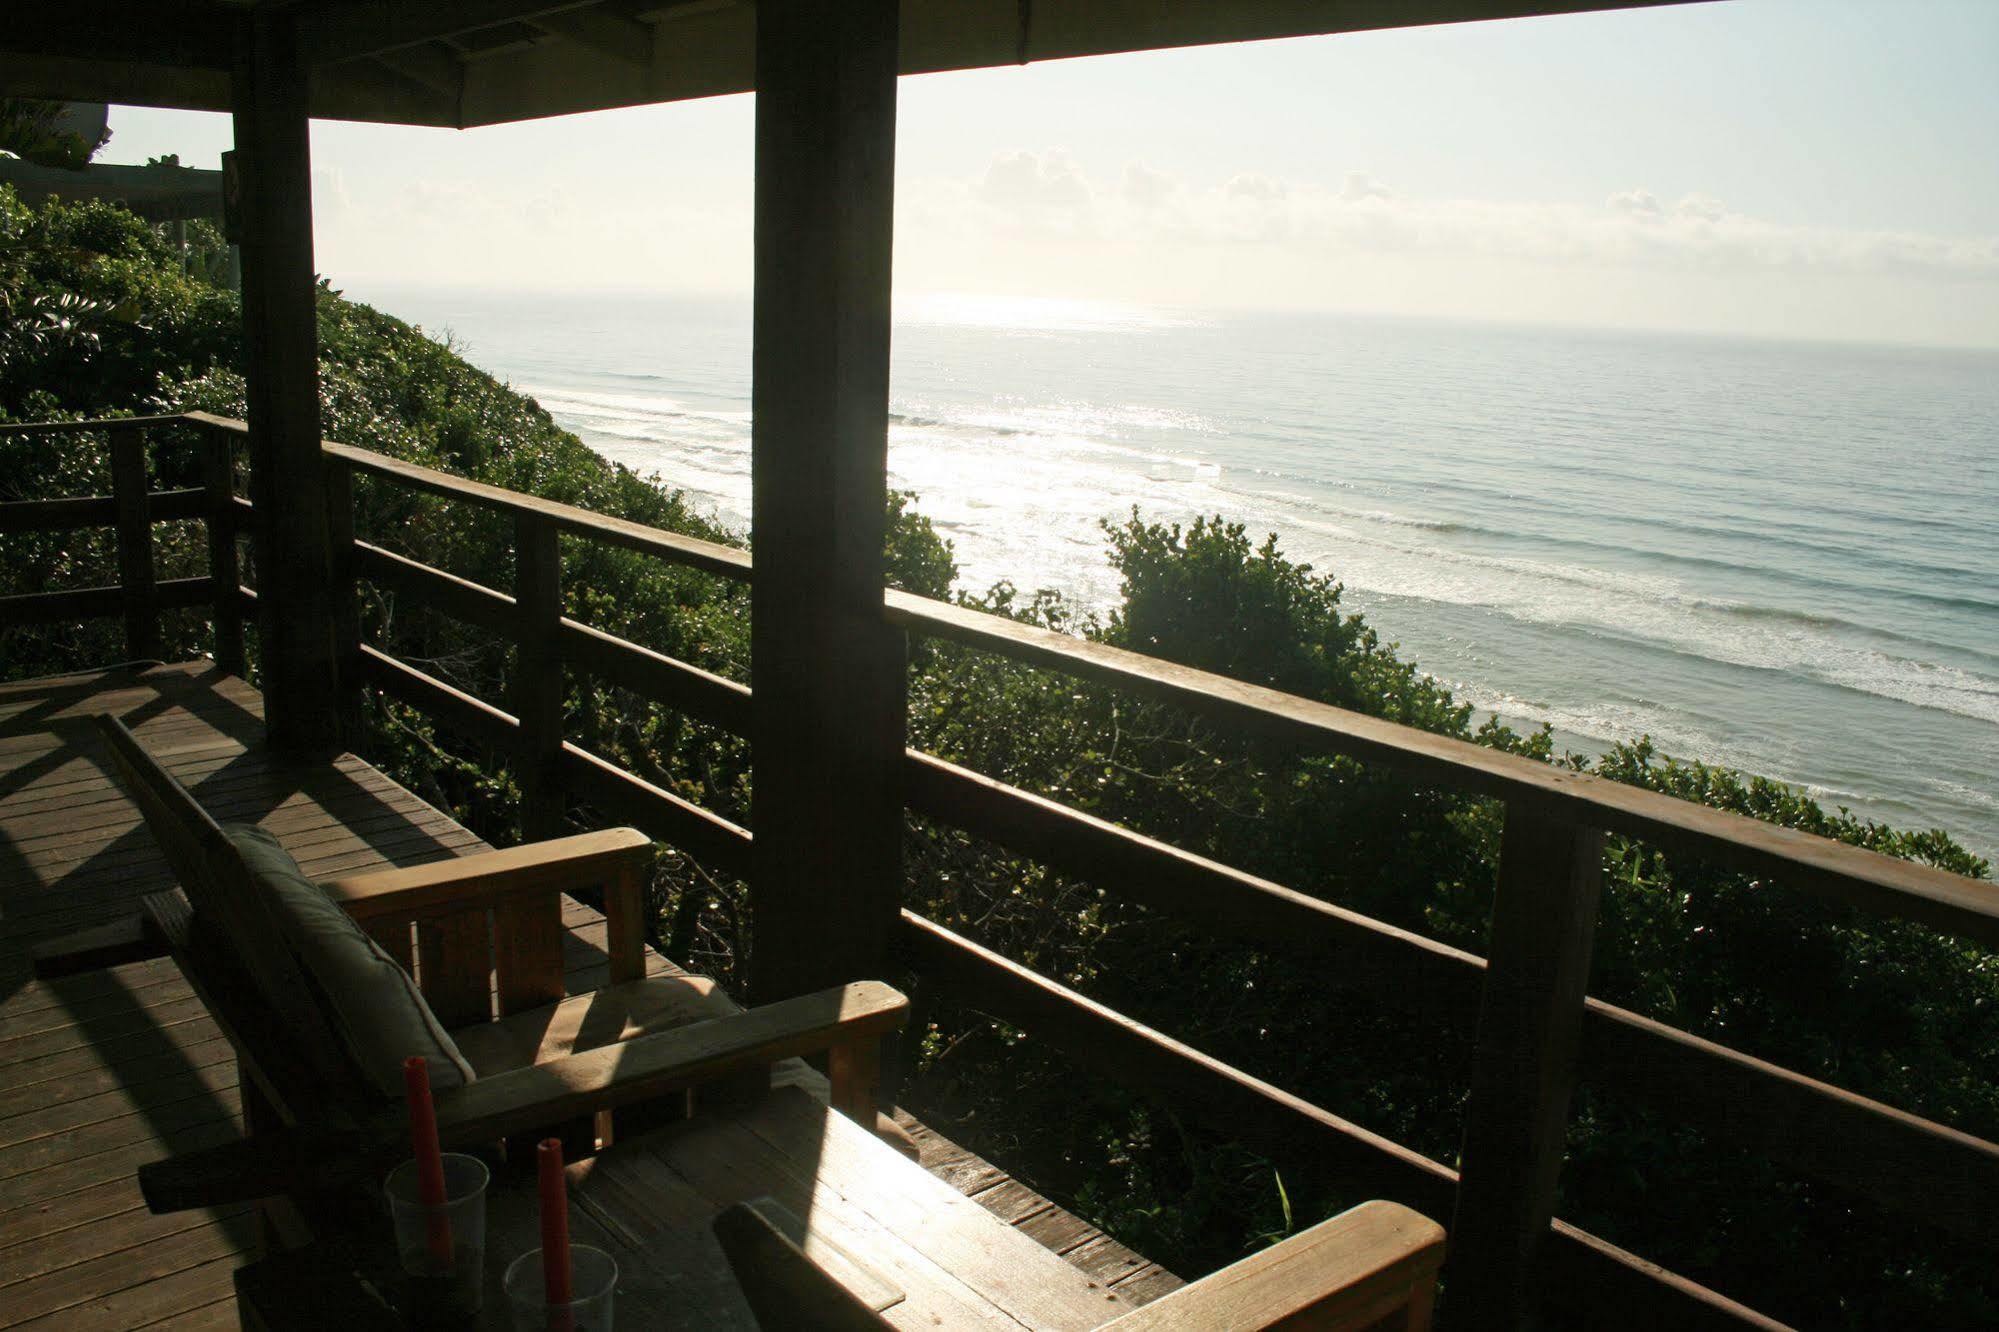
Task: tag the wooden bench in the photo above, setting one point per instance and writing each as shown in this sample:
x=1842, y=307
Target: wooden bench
x=1372, y=1268
x=485, y=936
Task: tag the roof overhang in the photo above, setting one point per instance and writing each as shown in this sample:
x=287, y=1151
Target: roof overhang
x=479, y=62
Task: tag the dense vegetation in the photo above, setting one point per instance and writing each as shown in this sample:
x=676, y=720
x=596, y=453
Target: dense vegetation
x=103, y=317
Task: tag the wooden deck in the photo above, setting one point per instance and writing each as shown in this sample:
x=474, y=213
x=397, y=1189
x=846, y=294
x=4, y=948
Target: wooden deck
x=102, y=1072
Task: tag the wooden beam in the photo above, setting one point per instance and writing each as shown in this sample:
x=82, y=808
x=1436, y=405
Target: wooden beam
x=606, y=34
x=1869, y=880
x=1529, y=1029
x=827, y=729
x=707, y=556
x=135, y=543
x=299, y=653
x=218, y=471
x=178, y=33
x=537, y=684
x=333, y=32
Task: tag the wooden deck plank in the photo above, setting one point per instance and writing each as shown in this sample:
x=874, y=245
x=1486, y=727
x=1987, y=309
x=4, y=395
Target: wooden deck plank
x=102, y=1072
x=68, y=1115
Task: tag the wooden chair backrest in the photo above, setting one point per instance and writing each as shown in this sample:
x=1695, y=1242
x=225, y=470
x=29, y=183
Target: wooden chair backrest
x=784, y=1287
x=229, y=905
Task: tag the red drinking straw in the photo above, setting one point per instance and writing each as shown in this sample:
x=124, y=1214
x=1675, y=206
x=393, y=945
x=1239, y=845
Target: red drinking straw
x=429, y=1159
x=555, y=1276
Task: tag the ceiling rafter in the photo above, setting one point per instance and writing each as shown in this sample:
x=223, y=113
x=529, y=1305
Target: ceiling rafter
x=360, y=28
x=603, y=31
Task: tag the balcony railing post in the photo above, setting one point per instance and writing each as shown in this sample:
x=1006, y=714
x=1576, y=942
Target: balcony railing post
x=224, y=573
x=135, y=543
x=1530, y=1023
x=296, y=650
x=827, y=726
x=346, y=598
x=538, y=674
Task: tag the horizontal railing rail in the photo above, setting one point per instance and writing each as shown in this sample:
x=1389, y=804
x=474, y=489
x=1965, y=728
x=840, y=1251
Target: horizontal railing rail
x=1851, y=875
x=1542, y=916
x=131, y=510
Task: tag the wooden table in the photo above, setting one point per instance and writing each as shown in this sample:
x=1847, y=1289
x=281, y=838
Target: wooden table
x=898, y=1237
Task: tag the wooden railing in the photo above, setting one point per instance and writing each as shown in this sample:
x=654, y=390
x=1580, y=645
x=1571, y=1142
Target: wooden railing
x=131, y=509
x=1536, y=1030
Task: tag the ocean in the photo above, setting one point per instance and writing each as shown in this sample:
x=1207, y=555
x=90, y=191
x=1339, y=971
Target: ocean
x=1783, y=557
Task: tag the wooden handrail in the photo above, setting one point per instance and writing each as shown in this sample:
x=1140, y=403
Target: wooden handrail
x=131, y=511
x=1907, y=1164
x=1613, y=1287
x=87, y=511
x=708, y=556
x=1910, y=1165
x=102, y=423
x=1851, y=875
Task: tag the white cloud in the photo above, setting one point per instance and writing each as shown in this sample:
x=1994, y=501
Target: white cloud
x=1050, y=193
x=1032, y=183
x=1252, y=185
x=1635, y=203
x=1145, y=188
x=1359, y=185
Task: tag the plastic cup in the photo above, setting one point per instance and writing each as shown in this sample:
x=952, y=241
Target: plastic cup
x=440, y=1289
x=593, y=1280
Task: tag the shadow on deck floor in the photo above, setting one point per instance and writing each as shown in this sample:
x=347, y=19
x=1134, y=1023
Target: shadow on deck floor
x=102, y=1072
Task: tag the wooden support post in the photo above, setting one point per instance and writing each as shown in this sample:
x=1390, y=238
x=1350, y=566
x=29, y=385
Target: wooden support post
x=224, y=573
x=296, y=640
x=537, y=692
x=625, y=924
x=1543, y=924
x=828, y=719
x=346, y=598
x=135, y=543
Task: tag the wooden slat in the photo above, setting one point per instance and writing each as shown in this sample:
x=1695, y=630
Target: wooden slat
x=1109, y=1043
x=1916, y=1168
x=717, y=843
x=708, y=556
x=345, y=600
x=455, y=966
x=90, y=603
x=1523, y=1069
x=663, y=679
x=135, y=543
x=527, y=946
x=1602, y=1281
x=538, y=676
x=584, y=860
x=460, y=598
x=224, y=572
x=84, y=427
x=1833, y=870
x=1368, y=1267
x=63, y=515
x=1920, y=1170
x=458, y=710
x=1397, y=964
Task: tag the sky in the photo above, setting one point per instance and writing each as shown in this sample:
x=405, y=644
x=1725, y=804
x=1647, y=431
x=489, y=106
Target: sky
x=1781, y=168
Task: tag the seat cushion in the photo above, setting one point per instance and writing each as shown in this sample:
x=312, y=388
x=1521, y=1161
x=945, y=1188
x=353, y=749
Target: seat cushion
x=370, y=1001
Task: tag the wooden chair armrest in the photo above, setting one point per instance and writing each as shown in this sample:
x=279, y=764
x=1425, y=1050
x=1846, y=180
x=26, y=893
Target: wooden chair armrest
x=646, y=1066
x=314, y=1157
x=130, y=939
x=447, y=886
x=1355, y=1270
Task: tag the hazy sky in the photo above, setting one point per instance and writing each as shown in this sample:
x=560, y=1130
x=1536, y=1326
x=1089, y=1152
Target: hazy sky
x=1814, y=168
